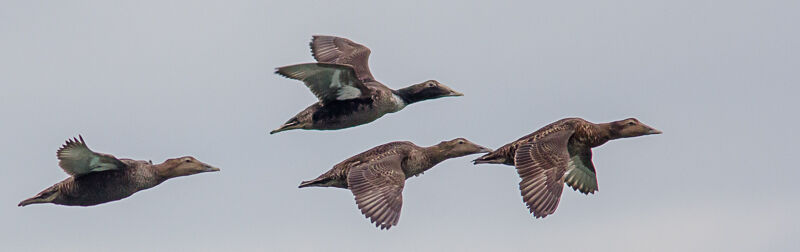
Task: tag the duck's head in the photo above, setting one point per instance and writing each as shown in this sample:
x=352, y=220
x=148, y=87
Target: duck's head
x=183, y=166
x=427, y=90
x=631, y=128
x=461, y=147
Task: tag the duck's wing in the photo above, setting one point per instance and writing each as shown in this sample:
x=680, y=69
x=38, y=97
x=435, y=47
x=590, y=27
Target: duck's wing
x=378, y=187
x=77, y=159
x=541, y=164
x=580, y=171
x=329, y=82
x=330, y=49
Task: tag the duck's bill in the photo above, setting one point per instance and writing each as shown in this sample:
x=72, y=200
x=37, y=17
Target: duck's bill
x=209, y=168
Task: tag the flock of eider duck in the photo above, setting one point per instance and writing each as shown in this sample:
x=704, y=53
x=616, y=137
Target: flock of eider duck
x=349, y=95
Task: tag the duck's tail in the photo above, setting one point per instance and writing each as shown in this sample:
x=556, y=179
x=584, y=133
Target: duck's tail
x=46, y=196
x=289, y=125
x=313, y=182
x=490, y=158
x=324, y=180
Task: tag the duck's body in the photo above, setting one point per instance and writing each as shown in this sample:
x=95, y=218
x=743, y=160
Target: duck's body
x=376, y=177
x=415, y=160
x=348, y=93
x=560, y=153
x=105, y=186
x=99, y=178
x=340, y=114
x=586, y=135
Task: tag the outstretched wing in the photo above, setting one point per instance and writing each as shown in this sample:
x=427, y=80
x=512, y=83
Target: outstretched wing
x=329, y=82
x=330, y=49
x=77, y=159
x=378, y=187
x=580, y=172
x=541, y=164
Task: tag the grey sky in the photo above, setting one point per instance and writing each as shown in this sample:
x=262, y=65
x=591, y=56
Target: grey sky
x=162, y=79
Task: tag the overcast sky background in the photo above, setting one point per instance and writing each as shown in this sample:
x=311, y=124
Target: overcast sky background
x=153, y=80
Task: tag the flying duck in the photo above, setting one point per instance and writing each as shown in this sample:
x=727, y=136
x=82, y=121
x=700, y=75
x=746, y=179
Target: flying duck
x=376, y=177
x=97, y=178
x=348, y=94
x=559, y=153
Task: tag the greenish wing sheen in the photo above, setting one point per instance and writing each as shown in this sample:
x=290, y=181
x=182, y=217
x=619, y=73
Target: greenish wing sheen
x=329, y=82
x=77, y=159
x=581, y=173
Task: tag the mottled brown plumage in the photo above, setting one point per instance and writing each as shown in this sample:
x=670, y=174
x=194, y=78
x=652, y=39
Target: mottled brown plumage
x=376, y=177
x=99, y=178
x=559, y=153
x=348, y=93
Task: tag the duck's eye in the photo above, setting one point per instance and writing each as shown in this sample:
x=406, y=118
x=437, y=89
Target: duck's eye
x=460, y=141
x=187, y=160
x=631, y=123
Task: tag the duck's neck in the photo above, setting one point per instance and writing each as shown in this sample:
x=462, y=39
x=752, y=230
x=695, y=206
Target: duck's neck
x=165, y=171
x=434, y=155
x=409, y=95
x=600, y=134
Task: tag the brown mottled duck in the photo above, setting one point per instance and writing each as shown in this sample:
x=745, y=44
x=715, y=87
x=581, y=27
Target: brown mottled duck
x=376, y=177
x=98, y=178
x=559, y=153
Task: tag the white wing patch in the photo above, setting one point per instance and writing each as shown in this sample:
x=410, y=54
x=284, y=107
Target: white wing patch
x=335, y=80
x=329, y=82
x=96, y=165
x=580, y=177
x=347, y=92
x=77, y=159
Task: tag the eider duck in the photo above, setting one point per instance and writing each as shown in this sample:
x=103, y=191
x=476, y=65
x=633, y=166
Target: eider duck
x=559, y=153
x=376, y=176
x=348, y=94
x=97, y=178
